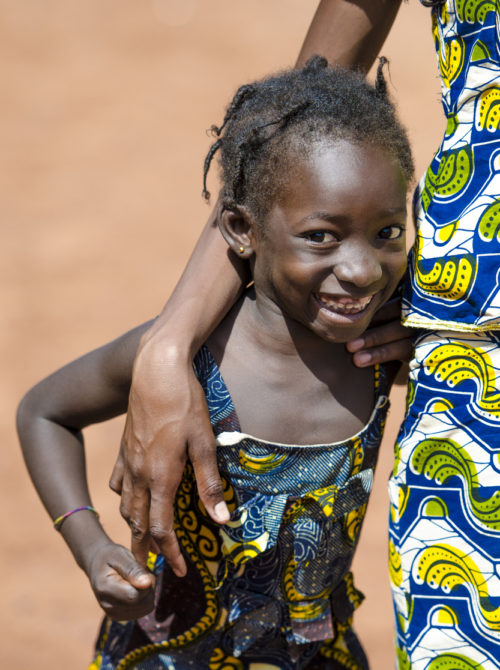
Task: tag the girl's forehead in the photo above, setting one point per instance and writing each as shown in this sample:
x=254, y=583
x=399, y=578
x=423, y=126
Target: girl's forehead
x=343, y=166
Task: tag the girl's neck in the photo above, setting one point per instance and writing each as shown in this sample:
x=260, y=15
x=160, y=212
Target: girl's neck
x=257, y=334
x=270, y=330
x=288, y=385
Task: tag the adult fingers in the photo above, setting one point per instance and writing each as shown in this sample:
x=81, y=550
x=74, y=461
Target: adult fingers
x=383, y=351
x=134, y=508
x=116, y=479
x=379, y=336
x=139, y=528
x=161, y=525
x=385, y=340
x=202, y=454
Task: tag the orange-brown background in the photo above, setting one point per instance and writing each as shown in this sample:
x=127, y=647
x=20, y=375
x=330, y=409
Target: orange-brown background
x=102, y=133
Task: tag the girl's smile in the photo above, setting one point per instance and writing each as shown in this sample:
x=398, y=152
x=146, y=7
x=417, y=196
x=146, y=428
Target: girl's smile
x=332, y=248
x=342, y=304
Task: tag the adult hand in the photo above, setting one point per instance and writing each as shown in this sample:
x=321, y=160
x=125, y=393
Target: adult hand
x=386, y=339
x=167, y=423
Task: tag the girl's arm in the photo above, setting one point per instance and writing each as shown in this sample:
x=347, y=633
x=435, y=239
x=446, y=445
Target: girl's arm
x=173, y=419
x=50, y=419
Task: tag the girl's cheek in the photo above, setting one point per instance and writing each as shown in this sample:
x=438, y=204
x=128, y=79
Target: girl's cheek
x=399, y=266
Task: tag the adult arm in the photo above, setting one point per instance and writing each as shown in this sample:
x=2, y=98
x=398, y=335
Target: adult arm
x=349, y=32
x=50, y=418
x=167, y=416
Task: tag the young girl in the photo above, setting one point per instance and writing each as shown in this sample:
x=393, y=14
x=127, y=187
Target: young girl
x=314, y=171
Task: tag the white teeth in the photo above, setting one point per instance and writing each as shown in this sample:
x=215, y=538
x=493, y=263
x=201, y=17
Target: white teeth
x=345, y=305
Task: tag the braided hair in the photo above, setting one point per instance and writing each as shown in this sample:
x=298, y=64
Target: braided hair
x=271, y=122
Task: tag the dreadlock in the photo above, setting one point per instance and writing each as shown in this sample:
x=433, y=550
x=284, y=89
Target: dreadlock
x=273, y=121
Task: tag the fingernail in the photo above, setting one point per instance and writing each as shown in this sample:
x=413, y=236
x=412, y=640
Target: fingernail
x=221, y=512
x=356, y=345
x=363, y=358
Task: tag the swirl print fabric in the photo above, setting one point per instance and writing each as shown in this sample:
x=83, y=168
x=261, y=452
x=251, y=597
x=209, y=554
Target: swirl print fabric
x=444, y=527
x=453, y=280
x=445, y=507
x=272, y=588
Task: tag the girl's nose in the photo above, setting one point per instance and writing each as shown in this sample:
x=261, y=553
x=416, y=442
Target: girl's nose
x=359, y=267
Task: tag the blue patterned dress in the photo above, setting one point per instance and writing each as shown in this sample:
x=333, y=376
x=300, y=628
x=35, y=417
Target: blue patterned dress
x=272, y=588
x=445, y=489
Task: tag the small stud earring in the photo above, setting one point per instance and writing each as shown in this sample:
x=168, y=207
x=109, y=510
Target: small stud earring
x=241, y=250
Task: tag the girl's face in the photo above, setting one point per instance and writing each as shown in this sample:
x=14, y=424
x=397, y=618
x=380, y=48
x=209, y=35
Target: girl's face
x=332, y=248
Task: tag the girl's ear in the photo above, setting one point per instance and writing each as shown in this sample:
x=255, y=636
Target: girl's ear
x=238, y=228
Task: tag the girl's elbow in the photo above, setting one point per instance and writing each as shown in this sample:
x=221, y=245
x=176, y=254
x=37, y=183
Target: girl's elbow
x=28, y=410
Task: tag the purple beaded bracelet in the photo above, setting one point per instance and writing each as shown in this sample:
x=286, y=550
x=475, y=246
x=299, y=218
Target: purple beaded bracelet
x=60, y=519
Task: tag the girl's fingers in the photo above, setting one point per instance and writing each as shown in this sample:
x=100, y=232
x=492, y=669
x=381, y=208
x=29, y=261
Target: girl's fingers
x=120, y=601
x=122, y=587
x=127, y=569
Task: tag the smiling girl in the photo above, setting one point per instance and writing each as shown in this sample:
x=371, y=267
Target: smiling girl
x=314, y=172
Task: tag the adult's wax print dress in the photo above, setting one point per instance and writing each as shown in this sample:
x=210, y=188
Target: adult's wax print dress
x=271, y=590
x=454, y=280
x=445, y=489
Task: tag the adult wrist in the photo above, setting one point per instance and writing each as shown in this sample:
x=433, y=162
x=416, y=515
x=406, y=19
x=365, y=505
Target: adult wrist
x=165, y=351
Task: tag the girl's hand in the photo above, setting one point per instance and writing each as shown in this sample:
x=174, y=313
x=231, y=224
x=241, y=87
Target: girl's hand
x=122, y=587
x=386, y=340
x=167, y=422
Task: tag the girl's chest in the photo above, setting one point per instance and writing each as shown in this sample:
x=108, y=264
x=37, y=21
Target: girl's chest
x=295, y=406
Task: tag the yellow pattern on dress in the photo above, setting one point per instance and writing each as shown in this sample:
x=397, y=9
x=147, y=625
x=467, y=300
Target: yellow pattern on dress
x=445, y=567
x=474, y=11
x=456, y=363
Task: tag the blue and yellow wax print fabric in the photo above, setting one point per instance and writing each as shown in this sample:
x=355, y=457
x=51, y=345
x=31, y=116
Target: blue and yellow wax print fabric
x=445, y=506
x=272, y=588
x=454, y=272
x=444, y=525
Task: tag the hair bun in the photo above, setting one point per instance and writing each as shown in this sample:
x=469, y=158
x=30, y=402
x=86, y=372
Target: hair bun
x=315, y=64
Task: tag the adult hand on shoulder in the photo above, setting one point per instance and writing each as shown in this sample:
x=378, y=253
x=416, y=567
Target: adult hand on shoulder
x=386, y=339
x=167, y=422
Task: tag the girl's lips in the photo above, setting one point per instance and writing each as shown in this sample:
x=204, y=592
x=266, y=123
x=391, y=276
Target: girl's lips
x=343, y=305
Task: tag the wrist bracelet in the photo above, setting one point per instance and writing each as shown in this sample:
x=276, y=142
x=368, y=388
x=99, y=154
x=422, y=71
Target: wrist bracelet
x=60, y=519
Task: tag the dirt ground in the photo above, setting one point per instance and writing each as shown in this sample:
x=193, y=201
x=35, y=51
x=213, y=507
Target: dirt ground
x=105, y=106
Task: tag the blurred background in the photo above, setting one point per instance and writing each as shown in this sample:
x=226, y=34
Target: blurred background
x=103, y=134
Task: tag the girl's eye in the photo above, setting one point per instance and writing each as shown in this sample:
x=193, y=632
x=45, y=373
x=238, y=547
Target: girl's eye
x=391, y=232
x=320, y=237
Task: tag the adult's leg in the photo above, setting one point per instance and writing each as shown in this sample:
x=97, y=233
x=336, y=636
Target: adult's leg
x=445, y=506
